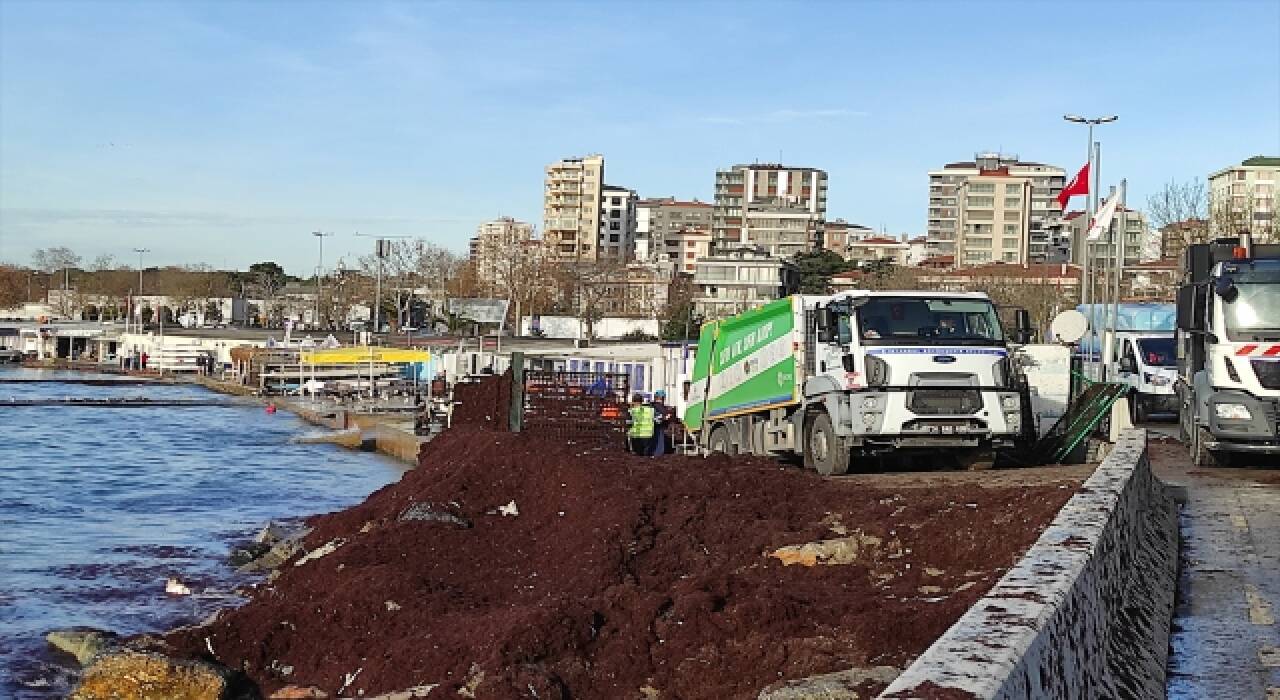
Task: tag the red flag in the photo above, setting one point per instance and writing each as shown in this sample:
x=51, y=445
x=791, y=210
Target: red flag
x=1078, y=185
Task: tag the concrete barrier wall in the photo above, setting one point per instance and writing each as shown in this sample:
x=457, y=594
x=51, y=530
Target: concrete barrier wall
x=1085, y=614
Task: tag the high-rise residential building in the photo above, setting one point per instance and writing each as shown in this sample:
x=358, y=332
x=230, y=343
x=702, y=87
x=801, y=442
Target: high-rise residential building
x=1245, y=196
x=1136, y=236
x=673, y=230
x=493, y=243
x=571, y=208
x=616, y=240
x=994, y=208
x=769, y=205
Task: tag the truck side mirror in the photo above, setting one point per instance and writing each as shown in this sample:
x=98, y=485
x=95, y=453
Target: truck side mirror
x=827, y=323
x=1186, y=306
x=1225, y=287
x=1022, y=326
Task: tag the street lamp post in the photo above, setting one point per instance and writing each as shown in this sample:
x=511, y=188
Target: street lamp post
x=1091, y=207
x=319, y=271
x=140, y=251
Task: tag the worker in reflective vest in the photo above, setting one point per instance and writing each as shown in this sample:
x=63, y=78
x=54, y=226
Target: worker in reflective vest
x=639, y=425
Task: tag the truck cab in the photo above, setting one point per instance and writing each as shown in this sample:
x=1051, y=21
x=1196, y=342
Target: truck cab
x=1228, y=383
x=915, y=370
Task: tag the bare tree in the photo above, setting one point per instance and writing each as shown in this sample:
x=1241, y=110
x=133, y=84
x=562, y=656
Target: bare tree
x=593, y=290
x=1180, y=209
x=12, y=286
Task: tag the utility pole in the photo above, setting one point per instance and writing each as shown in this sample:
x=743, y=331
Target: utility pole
x=140, y=252
x=1094, y=152
x=319, y=272
x=381, y=249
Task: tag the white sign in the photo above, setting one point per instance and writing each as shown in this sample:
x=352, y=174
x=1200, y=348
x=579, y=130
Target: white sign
x=479, y=310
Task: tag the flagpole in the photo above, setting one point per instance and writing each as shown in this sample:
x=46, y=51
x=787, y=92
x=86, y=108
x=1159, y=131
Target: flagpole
x=1119, y=266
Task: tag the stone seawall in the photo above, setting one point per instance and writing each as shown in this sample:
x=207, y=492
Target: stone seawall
x=1086, y=613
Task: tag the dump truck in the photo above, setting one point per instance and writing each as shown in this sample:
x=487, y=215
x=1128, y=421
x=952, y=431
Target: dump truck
x=860, y=373
x=1228, y=383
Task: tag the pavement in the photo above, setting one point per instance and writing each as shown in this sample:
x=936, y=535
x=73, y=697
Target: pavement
x=1225, y=641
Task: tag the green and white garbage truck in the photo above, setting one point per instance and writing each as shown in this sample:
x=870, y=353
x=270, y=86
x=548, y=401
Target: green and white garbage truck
x=831, y=378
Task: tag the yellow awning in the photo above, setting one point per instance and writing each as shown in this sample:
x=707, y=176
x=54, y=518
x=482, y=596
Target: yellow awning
x=363, y=355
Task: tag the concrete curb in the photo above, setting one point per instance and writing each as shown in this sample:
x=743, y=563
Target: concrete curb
x=1086, y=613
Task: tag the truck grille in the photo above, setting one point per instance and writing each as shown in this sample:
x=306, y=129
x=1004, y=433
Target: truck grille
x=1268, y=372
x=937, y=402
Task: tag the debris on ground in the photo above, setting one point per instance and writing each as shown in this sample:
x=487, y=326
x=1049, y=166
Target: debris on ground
x=623, y=576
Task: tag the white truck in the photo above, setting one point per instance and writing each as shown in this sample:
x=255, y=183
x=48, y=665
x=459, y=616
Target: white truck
x=1148, y=363
x=828, y=378
x=1228, y=383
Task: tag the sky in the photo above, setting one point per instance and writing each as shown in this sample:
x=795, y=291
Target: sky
x=226, y=132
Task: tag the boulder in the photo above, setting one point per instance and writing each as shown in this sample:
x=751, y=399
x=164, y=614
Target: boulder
x=132, y=675
x=279, y=553
x=84, y=643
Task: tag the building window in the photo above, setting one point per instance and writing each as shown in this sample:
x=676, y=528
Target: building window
x=1009, y=243
x=1010, y=229
x=615, y=226
x=983, y=187
x=613, y=238
x=980, y=201
x=1012, y=214
x=617, y=201
x=615, y=214
x=1012, y=189
x=1012, y=202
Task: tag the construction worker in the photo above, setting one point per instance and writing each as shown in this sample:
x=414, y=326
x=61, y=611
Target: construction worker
x=662, y=415
x=639, y=425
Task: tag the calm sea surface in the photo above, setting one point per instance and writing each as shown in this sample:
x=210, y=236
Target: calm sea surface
x=98, y=506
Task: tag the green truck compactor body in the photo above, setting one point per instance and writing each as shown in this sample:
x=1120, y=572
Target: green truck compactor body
x=747, y=363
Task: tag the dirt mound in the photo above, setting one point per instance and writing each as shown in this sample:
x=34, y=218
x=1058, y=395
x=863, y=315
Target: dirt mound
x=614, y=576
x=485, y=402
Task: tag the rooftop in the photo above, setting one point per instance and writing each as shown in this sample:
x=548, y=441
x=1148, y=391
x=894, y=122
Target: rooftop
x=876, y=241
x=1262, y=160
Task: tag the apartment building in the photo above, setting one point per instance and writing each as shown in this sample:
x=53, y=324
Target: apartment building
x=836, y=236
x=571, y=208
x=665, y=225
x=732, y=280
x=871, y=250
x=769, y=205
x=995, y=208
x=1136, y=235
x=492, y=245
x=616, y=240
x=1245, y=196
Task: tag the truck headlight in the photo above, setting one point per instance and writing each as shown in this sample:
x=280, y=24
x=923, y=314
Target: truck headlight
x=1009, y=403
x=1232, y=411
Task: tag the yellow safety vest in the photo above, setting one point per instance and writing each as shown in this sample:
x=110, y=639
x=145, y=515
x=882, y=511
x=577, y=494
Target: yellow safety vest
x=641, y=422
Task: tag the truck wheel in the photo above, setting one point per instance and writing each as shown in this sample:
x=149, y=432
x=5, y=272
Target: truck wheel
x=826, y=450
x=1202, y=456
x=1138, y=410
x=719, y=442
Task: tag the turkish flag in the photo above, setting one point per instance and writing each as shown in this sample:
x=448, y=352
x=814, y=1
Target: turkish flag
x=1078, y=185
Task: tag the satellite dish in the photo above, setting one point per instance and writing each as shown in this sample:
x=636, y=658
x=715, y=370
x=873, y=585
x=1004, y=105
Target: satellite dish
x=1069, y=326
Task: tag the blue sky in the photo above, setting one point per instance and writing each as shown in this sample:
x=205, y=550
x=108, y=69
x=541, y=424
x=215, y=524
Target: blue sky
x=226, y=132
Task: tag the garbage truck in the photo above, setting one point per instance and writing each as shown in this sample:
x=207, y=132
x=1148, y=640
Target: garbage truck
x=1228, y=383
x=832, y=378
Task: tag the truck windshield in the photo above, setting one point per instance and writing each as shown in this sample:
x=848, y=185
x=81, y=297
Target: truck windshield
x=1158, y=352
x=1254, y=314
x=925, y=321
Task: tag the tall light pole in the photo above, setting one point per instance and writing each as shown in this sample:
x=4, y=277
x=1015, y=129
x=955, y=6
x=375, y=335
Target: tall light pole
x=140, y=252
x=1091, y=207
x=319, y=271
x=381, y=248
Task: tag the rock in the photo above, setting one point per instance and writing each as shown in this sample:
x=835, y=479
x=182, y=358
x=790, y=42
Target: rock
x=856, y=548
x=132, y=675
x=428, y=512
x=270, y=534
x=295, y=692
x=509, y=509
x=417, y=691
x=323, y=550
x=250, y=552
x=279, y=553
x=82, y=642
